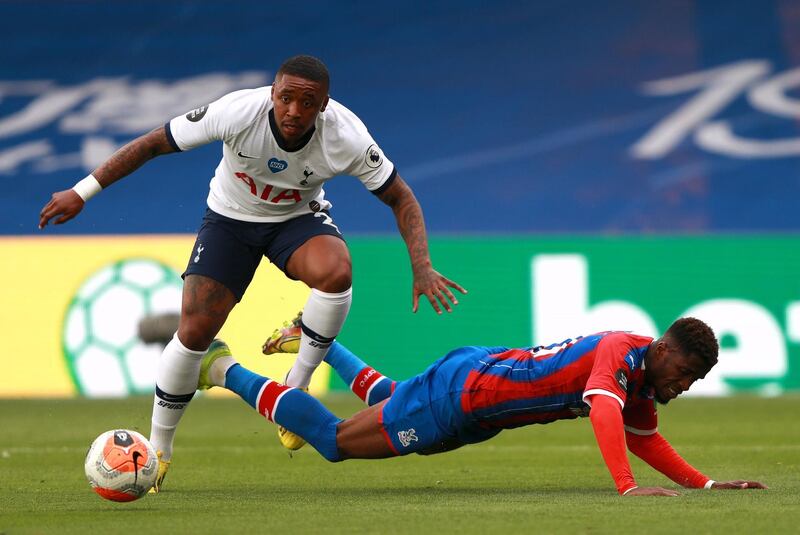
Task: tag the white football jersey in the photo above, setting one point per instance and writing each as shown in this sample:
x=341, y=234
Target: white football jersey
x=257, y=179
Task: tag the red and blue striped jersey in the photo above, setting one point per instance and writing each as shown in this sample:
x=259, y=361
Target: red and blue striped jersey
x=546, y=383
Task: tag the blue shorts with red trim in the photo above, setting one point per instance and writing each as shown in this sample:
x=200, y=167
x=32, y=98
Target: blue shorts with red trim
x=424, y=413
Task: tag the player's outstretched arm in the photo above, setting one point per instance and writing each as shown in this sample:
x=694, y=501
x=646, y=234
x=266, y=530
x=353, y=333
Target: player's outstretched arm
x=606, y=418
x=410, y=222
x=656, y=451
x=65, y=205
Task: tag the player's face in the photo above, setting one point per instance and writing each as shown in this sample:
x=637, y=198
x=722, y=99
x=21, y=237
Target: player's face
x=297, y=103
x=671, y=372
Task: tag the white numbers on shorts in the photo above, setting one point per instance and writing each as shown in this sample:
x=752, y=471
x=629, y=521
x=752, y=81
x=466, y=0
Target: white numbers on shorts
x=327, y=221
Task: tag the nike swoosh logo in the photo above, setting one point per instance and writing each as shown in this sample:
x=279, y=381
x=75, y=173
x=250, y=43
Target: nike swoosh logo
x=245, y=156
x=173, y=398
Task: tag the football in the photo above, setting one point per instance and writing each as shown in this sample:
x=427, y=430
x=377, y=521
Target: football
x=121, y=465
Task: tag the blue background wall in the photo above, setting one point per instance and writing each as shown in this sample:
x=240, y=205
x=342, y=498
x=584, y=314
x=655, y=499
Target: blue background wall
x=503, y=116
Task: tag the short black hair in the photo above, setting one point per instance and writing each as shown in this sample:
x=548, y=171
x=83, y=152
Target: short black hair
x=694, y=337
x=307, y=67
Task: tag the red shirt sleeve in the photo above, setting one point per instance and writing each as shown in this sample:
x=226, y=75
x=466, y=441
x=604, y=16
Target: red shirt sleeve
x=606, y=417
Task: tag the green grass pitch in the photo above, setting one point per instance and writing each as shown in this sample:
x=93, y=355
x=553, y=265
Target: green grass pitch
x=231, y=476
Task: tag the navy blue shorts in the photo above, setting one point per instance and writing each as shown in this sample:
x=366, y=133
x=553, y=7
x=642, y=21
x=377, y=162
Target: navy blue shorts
x=229, y=251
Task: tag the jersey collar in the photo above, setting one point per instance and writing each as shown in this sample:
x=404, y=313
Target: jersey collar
x=279, y=137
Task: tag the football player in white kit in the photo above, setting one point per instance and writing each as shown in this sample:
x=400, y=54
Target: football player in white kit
x=281, y=143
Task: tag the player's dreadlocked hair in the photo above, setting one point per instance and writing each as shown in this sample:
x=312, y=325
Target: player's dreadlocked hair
x=694, y=337
x=307, y=67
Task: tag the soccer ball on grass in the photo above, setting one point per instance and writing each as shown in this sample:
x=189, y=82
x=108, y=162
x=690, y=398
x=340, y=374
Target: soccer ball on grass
x=121, y=465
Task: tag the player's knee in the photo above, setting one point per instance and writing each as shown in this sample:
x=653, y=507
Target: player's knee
x=333, y=278
x=196, y=334
x=338, y=281
x=332, y=456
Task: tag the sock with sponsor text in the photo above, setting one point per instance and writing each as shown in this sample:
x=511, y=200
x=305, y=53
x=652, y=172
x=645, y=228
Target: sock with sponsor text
x=290, y=407
x=323, y=317
x=176, y=382
x=365, y=381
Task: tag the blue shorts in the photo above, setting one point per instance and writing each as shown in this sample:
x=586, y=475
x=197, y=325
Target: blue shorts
x=424, y=414
x=229, y=251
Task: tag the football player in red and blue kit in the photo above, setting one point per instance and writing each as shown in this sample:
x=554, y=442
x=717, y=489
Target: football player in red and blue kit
x=472, y=393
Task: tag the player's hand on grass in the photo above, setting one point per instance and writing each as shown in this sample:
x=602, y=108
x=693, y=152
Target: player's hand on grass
x=739, y=484
x=652, y=491
x=436, y=287
x=63, y=204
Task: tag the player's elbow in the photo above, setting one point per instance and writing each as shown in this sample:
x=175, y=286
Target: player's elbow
x=603, y=407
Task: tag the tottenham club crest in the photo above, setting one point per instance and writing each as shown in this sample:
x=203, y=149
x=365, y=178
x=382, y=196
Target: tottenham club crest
x=196, y=115
x=373, y=158
x=307, y=172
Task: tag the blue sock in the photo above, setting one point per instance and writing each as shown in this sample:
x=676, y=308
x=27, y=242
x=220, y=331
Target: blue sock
x=297, y=411
x=365, y=382
x=245, y=383
x=346, y=364
x=303, y=415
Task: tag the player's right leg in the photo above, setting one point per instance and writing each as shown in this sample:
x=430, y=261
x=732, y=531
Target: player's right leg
x=288, y=407
x=364, y=381
x=206, y=304
x=220, y=268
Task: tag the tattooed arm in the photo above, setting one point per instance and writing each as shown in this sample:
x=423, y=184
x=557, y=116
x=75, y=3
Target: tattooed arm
x=67, y=204
x=411, y=224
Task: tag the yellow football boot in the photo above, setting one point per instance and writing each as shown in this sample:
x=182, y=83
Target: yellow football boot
x=163, y=466
x=286, y=339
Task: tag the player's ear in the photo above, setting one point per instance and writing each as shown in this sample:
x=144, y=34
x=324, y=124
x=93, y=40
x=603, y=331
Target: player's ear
x=662, y=348
x=325, y=103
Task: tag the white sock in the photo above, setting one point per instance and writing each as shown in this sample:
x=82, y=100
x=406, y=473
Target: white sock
x=323, y=317
x=176, y=382
x=219, y=369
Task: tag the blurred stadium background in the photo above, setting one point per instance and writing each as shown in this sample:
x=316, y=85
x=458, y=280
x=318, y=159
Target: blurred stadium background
x=613, y=166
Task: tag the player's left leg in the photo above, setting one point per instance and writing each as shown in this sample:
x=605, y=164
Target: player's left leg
x=370, y=385
x=323, y=263
x=310, y=248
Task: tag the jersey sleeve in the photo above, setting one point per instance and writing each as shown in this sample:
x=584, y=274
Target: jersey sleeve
x=612, y=369
x=365, y=158
x=606, y=419
x=218, y=121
